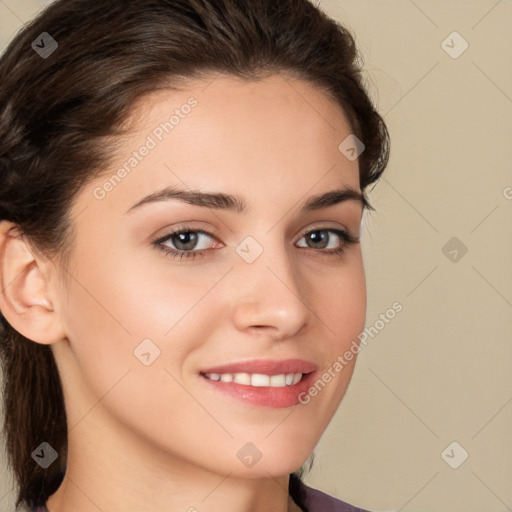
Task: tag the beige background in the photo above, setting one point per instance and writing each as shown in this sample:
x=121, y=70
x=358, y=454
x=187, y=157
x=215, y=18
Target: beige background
x=440, y=371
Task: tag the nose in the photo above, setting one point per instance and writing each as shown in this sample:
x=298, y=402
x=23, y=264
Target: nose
x=270, y=295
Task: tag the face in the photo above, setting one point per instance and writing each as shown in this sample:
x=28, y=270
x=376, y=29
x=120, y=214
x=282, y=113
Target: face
x=148, y=312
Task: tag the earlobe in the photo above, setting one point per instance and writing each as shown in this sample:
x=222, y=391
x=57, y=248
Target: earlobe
x=25, y=301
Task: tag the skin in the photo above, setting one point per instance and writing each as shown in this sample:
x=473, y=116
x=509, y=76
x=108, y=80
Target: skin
x=150, y=438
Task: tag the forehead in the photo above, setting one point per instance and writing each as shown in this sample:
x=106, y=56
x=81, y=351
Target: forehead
x=226, y=88
x=222, y=131
x=277, y=105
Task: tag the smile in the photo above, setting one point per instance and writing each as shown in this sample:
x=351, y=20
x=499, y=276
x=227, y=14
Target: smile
x=257, y=379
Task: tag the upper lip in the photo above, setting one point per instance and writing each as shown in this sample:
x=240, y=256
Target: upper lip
x=265, y=367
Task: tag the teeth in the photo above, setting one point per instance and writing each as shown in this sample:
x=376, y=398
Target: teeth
x=242, y=378
x=258, y=379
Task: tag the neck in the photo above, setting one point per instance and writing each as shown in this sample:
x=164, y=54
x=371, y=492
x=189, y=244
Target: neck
x=117, y=473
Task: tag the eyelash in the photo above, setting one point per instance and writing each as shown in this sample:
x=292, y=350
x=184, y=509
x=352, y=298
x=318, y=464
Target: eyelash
x=346, y=237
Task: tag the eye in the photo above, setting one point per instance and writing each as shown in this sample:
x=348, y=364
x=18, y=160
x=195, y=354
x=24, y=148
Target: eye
x=185, y=240
x=322, y=238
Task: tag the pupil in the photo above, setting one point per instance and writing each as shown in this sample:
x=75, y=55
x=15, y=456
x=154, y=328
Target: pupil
x=316, y=236
x=183, y=240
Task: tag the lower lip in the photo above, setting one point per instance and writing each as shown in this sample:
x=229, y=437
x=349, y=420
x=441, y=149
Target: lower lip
x=265, y=396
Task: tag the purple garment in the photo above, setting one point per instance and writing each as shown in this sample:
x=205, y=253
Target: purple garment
x=316, y=501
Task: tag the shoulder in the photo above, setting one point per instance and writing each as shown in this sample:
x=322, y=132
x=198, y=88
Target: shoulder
x=318, y=501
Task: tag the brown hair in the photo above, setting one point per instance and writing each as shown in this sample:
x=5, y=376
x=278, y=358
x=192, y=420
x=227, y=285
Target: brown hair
x=58, y=116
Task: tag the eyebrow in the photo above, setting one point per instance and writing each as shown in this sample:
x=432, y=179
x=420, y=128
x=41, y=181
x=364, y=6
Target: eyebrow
x=221, y=201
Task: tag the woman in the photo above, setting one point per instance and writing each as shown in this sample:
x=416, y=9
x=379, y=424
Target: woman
x=236, y=137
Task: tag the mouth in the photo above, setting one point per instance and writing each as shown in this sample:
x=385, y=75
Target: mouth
x=260, y=369
x=258, y=379
x=262, y=382
x=261, y=390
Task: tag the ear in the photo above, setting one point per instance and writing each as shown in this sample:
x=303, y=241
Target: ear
x=25, y=301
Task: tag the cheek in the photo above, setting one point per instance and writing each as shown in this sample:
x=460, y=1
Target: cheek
x=340, y=297
x=116, y=320
x=121, y=308
x=132, y=297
